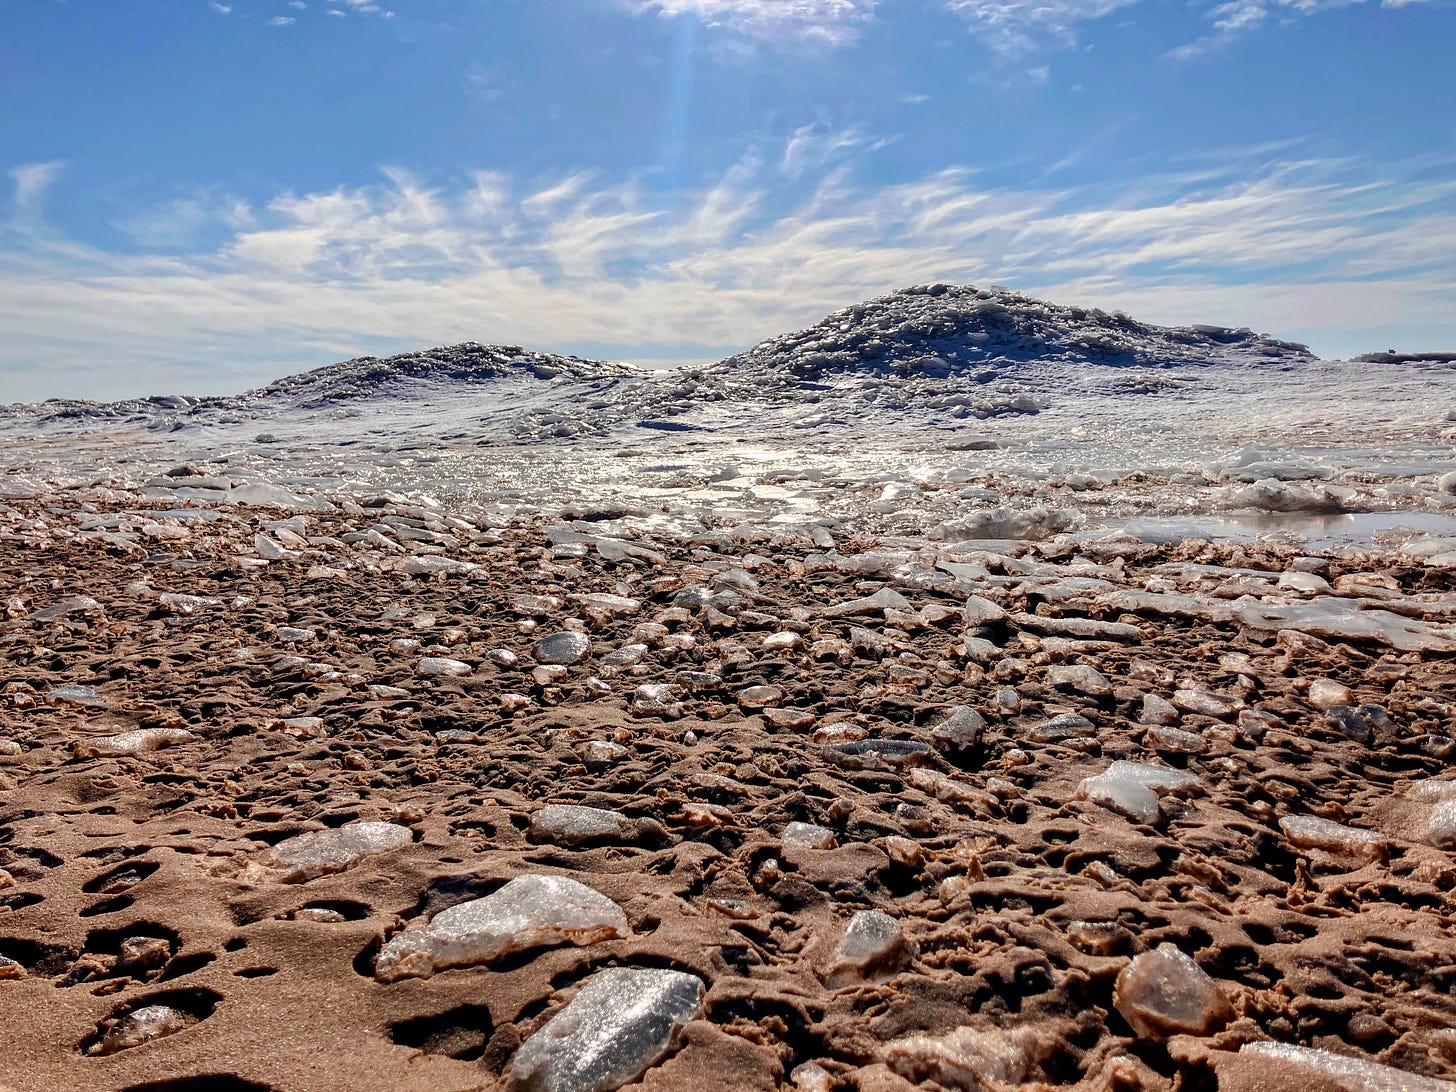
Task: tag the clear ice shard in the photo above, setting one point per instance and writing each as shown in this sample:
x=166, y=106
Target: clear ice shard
x=874, y=944
x=622, y=1023
x=141, y=1026
x=320, y=852
x=565, y=647
x=528, y=912
x=1307, y=1067
x=1163, y=992
x=1132, y=788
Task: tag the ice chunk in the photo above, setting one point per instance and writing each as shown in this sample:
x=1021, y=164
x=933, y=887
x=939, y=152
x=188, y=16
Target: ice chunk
x=883, y=600
x=656, y=700
x=1441, y=828
x=622, y=1022
x=1204, y=703
x=873, y=945
x=980, y=611
x=1157, y=710
x=1163, y=992
x=141, y=1026
x=808, y=836
x=136, y=742
x=960, y=730
x=434, y=565
x=72, y=694
x=573, y=825
x=320, y=852
x=1301, y=1066
x=442, y=665
x=263, y=494
x=1133, y=788
x=1327, y=693
x=270, y=550
x=1082, y=678
x=75, y=604
x=873, y=754
x=528, y=912
x=179, y=603
x=1312, y=832
x=566, y=647
x=1061, y=727
x=971, y=1058
x=1337, y=619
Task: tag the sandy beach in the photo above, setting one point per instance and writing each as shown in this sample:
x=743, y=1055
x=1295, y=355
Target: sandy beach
x=861, y=794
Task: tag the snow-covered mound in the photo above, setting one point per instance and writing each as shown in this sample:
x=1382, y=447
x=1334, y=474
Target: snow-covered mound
x=471, y=362
x=940, y=330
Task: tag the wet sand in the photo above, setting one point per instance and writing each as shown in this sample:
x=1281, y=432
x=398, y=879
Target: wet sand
x=146, y=879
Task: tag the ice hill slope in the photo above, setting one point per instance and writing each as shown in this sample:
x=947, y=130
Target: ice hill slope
x=959, y=351
x=927, y=354
x=502, y=386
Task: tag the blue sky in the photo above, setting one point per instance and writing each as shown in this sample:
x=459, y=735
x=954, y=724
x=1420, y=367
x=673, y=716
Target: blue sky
x=201, y=195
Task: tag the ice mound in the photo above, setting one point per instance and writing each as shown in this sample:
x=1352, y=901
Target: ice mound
x=623, y=1022
x=528, y=912
x=938, y=330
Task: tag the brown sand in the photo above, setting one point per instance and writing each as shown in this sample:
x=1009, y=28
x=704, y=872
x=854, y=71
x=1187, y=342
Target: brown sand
x=1022, y=901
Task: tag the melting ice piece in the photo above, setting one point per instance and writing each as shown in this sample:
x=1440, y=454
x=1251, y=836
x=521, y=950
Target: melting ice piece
x=135, y=742
x=1082, y=678
x=179, y=603
x=623, y=1022
x=528, y=912
x=1312, y=832
x=319, y=852
x=71, y=605
x=882, y=600
x=442, y=665
x=656, y=700
x=808, y=836
x=1133, y=788
x=566, y=647
x=1061, y=727
x=1337, y=619
x=874, y=944
x=1305, y=1066
x=73, y=694
x=972, y=1058
x=1163, y=992
x=141, y=1026
x=959, y=731
x=874, y=754
x=574, y=825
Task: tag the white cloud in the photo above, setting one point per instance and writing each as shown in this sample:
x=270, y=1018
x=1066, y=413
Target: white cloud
x=221, y=9
x=601, y=267
x=1231, y=18
x=282, y=21
x=1023, y=26
x=830, y=22
x=31, y=181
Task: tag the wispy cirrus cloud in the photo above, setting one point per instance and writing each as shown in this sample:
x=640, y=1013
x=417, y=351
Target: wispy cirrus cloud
x=829, y=22
x=1233, y=18
x=1320, y=248
x=1021, y=26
